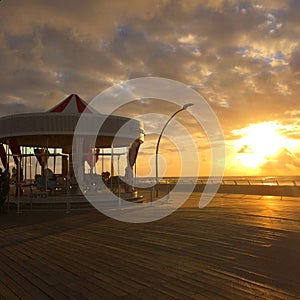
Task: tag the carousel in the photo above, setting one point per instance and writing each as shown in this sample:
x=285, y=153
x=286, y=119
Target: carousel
x=36, y=153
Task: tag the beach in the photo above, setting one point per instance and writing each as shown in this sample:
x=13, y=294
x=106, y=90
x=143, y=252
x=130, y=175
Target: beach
x=238, y=247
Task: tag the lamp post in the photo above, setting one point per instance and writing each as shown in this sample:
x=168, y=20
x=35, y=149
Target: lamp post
x=184, y=107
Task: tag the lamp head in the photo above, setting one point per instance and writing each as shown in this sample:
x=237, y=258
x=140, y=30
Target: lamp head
x=185, y=106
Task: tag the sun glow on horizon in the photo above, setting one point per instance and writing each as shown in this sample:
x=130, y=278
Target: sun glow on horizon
x=259, y=143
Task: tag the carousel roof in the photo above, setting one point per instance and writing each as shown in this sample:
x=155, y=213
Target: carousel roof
x=55, y=127
x=72, y=104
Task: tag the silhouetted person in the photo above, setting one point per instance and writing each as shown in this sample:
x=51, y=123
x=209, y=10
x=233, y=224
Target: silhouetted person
x=4, y=188
x=14, y=175
x=105, y=176
x=19, y=179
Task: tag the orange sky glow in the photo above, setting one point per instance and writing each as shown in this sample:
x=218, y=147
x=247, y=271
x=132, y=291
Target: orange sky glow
x=243, y=57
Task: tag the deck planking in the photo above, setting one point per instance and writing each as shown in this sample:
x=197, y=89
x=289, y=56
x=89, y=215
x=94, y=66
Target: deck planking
x=239, y=247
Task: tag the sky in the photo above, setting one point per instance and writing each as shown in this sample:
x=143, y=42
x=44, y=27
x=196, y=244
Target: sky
x=243, y=57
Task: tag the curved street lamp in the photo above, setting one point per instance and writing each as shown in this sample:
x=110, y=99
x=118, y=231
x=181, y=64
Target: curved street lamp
x=184, y=107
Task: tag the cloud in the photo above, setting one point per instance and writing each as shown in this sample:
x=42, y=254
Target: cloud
x=242, y=56
x=16, y=108
x=283, y=161
x=295, y=60
x=246, y=149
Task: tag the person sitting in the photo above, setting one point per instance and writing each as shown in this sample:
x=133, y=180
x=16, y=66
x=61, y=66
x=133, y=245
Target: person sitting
x=48, y=173
x=47, y=180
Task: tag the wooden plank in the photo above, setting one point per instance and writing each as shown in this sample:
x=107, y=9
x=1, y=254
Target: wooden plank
x=6, y=292
x=35, y=275
x=134, y=266
x=17, y=283
x=217, y=253
x=66, y=280
x=173, y=261
x=91, y=268
x=60, y=280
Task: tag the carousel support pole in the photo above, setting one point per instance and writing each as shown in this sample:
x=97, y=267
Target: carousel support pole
x=18, y=183
x=94, y=161
x=102, y=160
x=68, y=184
x=119, y=191
x=25, y=169
x=111, y=165
x=64, y=164
x=119, y=188
x=112, y=161
x=54, y=161
x=92, y=167
x=46, y=160
x=134, y=179
x=7, y=167
x=30, y=171
x=68, y=175
x=119, y=175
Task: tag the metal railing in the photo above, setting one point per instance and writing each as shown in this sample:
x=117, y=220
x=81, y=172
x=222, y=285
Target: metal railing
x=226, y=181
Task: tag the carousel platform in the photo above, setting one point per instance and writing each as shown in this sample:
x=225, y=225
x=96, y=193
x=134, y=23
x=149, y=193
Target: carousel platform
x=33, y=199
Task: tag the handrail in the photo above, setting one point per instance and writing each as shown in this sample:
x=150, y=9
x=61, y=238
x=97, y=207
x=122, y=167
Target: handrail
x=226, y=181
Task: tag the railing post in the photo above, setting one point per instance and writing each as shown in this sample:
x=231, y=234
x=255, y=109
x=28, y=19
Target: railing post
x=151, y=196
x=18, y=201
x=168, y=194
x=8, y=199
x=68, y=204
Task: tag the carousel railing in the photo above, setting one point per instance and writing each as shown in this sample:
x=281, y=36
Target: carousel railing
x=65, y=194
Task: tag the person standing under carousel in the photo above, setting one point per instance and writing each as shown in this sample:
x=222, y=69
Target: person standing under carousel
x=4, y=188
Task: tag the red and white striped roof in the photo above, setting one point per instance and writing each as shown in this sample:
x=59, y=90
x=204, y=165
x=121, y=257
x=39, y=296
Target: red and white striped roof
x=73, y=104
x=56, y=127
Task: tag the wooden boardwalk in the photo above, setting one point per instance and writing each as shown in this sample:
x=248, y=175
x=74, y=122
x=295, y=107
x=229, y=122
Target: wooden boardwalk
x=239, y=247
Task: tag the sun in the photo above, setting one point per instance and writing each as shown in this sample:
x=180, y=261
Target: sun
x=259, y=143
